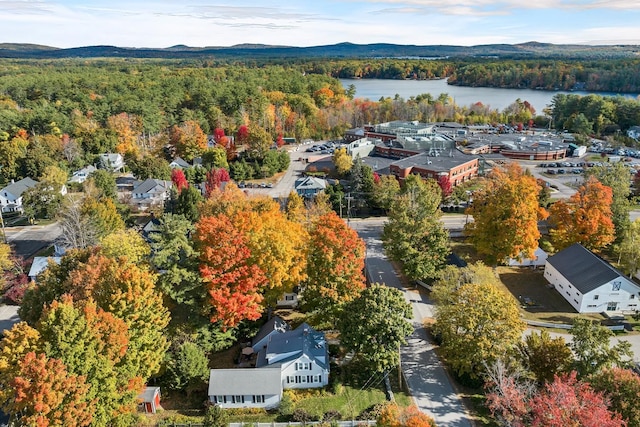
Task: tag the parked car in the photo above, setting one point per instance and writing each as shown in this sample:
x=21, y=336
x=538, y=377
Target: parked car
x=551, y=171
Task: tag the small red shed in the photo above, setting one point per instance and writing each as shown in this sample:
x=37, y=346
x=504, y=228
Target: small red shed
x=149, y=400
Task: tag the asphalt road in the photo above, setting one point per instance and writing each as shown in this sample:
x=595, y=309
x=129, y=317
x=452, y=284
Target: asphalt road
x=28, y=240
x=426, y=377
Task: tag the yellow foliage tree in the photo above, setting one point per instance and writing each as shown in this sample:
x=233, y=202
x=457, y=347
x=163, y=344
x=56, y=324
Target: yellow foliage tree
x=505, y=216
x=342, y=161
x=125, y=243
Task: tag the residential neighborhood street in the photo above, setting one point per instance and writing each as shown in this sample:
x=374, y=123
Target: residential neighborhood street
x=426, y=377
x=28, y=240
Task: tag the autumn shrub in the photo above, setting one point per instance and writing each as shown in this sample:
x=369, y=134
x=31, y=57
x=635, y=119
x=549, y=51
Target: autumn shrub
x=332, y=415
x=373, y=412
x=302, y=416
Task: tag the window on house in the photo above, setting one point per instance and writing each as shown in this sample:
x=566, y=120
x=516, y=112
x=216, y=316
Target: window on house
x=612, y=306
x=221, y=399
x=596, y=296
x=632, y=296
x=238, y=399
x=258, y=398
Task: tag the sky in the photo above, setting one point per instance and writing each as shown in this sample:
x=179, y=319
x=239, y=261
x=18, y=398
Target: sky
x=201, y=23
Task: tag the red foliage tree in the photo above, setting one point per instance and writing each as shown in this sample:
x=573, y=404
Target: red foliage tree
x=569, y=402
x=445, y=185
x=234, y=284
x=179, y=180
x=218, y=134
x=280, y=140
x=213, y=181
x=243, y=134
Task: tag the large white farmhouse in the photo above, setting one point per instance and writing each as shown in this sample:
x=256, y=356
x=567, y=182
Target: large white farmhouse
x=286, y=359
x=589, y=283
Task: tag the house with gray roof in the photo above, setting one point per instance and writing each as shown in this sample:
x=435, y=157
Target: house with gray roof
x=11, y=195
x=81, y=175
x=309, y=186
x=589, y=283
x=150, y=192
x=286, y=359
x=301, y=354
x=275, y=325
x=179, y=163
x=245, y=388
x=112, y=162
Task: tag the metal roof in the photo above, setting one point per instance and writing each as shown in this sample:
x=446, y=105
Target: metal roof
x=248, y=381
x=585, y=270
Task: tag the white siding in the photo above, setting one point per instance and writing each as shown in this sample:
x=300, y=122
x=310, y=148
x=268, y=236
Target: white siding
x=625, y=296
x=246, y=401
x=563, y=286
x=304, y=373
x=620, y=293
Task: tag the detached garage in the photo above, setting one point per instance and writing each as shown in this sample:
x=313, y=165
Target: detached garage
x=589, y=283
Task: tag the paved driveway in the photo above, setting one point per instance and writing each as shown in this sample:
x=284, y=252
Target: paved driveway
x=426, y=377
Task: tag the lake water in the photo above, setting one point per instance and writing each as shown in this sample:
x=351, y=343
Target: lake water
x=374, y=89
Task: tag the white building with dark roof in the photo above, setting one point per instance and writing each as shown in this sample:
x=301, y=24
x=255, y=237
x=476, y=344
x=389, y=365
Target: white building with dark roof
x=286, y=359
x=11, y=195
x=245, y=388
x=589, y=283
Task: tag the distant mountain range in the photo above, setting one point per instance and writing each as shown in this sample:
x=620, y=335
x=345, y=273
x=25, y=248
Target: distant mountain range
x=341, y=50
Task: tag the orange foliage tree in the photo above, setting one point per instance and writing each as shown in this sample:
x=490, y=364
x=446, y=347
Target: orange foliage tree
x=505, y=215
x=188, y=139
x=335, y=261
x=45, y=394
x=127, y=129
x=585, y=218
x=234, y=283
x=394, y=416
x=92, y=343
x=129, y=293
x=277, y=245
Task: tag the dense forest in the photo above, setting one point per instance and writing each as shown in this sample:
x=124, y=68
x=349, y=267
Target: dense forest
x=66, y=112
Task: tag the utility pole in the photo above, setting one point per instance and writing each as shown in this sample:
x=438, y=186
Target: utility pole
x=4, y=233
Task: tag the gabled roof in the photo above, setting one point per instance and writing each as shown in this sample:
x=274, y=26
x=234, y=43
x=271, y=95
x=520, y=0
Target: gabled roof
x=150, y=184
x=148, y=394
x=585, y=270
x=276, y=323
x=304, y=340
x=17, y=188
x=179, y=162
x=225, y=382
x=310, y=183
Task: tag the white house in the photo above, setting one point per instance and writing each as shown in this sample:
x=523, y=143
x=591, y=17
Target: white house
x=11, y=195
x=296, y=358
x=302, y=356
x=245, y=388
x=179, y=163
x=539, y=259
x=81, y=175
x=151, y=192
x=589, y=283
x=112, y=161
